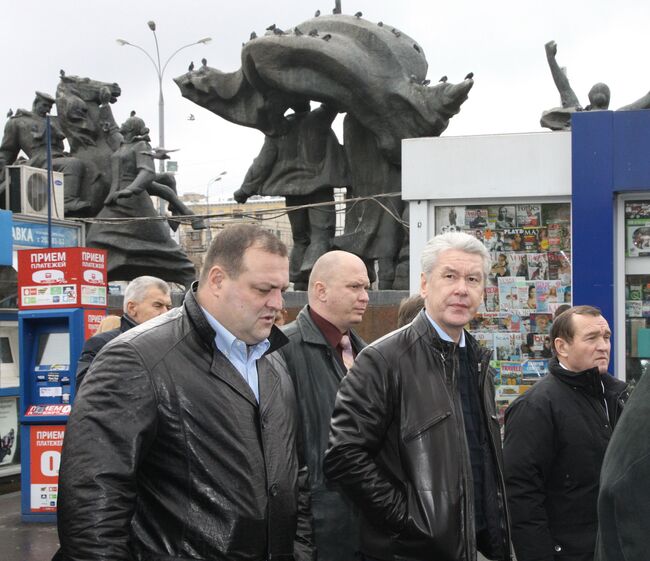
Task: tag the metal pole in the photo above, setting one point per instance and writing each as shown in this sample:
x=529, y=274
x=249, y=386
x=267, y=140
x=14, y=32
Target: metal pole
x=207, y=211
x=48, y=135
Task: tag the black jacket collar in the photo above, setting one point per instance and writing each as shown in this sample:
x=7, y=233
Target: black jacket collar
x=589, y=381
x=205, y=331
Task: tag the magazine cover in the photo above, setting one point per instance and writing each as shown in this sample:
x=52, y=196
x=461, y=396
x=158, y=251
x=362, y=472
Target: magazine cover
x=638, y=237
x=488, y=321
x=507, y=346
x=518, y=263
x=534, y=368
x=540, y=323
x=542, y=240
x=531, y=240
x=500, y=267
x=529, y=215
x=502, y=216
x=537, y=266
x=492, y=298
x=513, y=239
x=547, y=292
x=510, y=373
x=637, y=209
x=509, y=293
x=485, y=339
x=493, y=240
x=556, y=212
x=476, y=217
x=449, y=219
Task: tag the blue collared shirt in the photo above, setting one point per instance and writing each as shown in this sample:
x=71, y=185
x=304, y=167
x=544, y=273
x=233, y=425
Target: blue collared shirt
x=443, y=335
x=242, y=356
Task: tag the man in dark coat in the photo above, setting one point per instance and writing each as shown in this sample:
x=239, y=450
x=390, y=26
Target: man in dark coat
x=414, y=439
x=315, y=357
x=183, y=441
x=144, y=298
x=555, y=439
x=624, y=500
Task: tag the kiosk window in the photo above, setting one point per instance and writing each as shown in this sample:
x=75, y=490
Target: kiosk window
x=5, y=351
x=53, y=348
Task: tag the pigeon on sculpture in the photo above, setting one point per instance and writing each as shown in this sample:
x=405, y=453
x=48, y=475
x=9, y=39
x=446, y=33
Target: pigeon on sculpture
x=358, y=15
x=297, y=31
x=426, y=82
x=277, y=31
x=327, y=37
x=191, y=117
x=395, y=32
x=469, y=76
x=204, y=62
x=10, y=112
x=313, y=33
x=380, y=23
x=191, y=66
x=317, y=13
x=415, y=46
x=443, y=79
x=253, y=35
x=271, y=27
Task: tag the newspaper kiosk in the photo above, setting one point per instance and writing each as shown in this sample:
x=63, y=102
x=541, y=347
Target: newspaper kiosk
x=61, y=294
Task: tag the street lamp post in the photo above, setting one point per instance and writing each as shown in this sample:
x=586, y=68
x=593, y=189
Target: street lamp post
x=207, y=204
x=160, y=72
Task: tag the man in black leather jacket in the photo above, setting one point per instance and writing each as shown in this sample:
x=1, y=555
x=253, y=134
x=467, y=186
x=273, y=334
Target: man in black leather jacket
x=338, y=298
x=182, y=442
x=556, y=435
x=414, y=437
x=145, y=298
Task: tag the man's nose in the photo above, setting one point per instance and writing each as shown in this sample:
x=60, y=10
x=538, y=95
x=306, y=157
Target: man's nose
x=275, y=301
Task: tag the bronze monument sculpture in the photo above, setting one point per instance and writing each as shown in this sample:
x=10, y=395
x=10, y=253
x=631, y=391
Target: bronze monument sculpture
x=559, y=118
x=109, y=174
x=374, y=73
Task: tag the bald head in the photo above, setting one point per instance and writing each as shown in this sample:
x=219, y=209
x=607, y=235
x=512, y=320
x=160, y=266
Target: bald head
x=338, y=289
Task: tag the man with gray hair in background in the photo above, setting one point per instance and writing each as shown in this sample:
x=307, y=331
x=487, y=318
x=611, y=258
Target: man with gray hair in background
x=144, y=298
x=414, y=439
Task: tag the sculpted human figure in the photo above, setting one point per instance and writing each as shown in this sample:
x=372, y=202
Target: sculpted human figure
x=26, y=131
x=559, y=118
x=303, y=165
x=138, y=247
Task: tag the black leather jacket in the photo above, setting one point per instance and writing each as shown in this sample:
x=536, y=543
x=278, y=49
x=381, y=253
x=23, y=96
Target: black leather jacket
x=398, y=447
x=168, y=456
x=317, y=370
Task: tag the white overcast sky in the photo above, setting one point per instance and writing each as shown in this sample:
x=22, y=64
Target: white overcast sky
x=501, y=41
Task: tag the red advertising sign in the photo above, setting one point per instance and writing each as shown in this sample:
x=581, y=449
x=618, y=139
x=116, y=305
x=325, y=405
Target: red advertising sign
x=45, y=443
x=47, y=410
x=92, y=319
x=64, y=277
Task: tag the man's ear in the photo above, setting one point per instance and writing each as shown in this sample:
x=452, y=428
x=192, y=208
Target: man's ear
x=320, y=291
x=423, y=285
x=130, y=307
x=561, y=347
x=216, y=276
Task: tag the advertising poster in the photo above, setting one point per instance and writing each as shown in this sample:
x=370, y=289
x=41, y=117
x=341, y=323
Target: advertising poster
x=45, y=443
x=66, y=277
x=8, y=430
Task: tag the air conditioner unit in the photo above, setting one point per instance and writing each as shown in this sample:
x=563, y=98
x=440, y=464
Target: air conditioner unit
x=27, y=192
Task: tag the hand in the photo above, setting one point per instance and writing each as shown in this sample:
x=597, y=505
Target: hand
x=551, y=48
x=240, y=196
x=112, y=197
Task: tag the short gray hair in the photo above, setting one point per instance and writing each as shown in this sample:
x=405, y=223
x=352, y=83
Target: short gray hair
x=139, y=286
x=453, y=240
